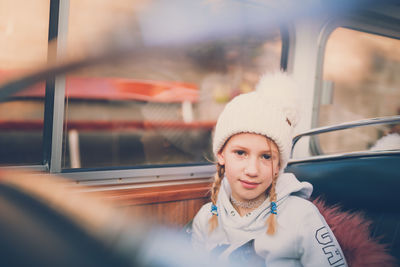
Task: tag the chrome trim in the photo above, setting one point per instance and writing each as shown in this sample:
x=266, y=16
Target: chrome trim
x=345, y=125
x=160, y=174
x=104, y=186
x=58, y=121
x=40, y=168
x=59, y=91
x=346, y=155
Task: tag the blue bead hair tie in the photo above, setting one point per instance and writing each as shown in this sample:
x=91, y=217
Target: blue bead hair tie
x=214, y=210
x=273, y=208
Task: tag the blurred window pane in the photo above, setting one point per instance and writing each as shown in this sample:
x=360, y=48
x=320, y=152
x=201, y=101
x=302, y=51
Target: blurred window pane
x=362, y=69
x=160, y=105
x=23, y=45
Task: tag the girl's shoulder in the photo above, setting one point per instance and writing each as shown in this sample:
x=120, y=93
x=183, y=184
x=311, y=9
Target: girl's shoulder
x=206, y=207
x=299, y=207
x=200, y=223
x=296, y=201
x=204, y=213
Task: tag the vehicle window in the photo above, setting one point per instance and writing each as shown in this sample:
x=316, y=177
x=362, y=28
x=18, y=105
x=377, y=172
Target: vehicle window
x=360, y=80
x=159, y=106
x=23, y=46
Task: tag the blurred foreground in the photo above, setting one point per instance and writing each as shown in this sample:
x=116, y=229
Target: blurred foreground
x=48, y=221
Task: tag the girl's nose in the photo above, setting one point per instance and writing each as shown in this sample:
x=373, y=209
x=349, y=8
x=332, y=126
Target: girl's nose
x=251, y=167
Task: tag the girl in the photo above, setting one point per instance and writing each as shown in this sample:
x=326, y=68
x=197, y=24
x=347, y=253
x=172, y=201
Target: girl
x=258, y=214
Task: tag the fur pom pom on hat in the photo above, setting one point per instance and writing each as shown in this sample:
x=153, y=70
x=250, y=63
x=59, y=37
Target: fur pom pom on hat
x=271, y=110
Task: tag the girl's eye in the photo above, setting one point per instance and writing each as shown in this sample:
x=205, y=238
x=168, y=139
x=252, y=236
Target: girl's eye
x=240, y=152
x=266, y=156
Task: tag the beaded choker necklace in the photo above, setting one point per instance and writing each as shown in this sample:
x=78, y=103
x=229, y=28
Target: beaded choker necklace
x=251, y=204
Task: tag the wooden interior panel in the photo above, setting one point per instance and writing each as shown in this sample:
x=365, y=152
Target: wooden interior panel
x=158, y=194
x=175, y=213
x=173, y=205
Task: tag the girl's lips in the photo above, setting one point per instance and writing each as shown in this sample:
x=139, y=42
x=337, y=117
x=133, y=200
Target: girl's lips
x=248, y=185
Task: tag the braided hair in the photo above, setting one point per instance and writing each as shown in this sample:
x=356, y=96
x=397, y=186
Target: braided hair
x=219, y=175
x=271, y=220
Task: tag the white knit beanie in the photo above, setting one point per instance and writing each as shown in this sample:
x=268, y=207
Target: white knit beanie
x=271, y=110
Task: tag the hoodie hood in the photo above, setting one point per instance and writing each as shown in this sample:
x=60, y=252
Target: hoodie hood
x=238, y=228
x=287, y=184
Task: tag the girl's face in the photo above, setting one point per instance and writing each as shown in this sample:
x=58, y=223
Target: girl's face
x=251, y=161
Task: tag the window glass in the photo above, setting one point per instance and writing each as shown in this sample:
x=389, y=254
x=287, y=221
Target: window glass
x=360, y=81
x=23, y=46
x=159, y=105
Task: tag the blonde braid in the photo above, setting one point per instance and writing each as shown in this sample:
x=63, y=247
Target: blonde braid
x=271, y=221
x=219, y=175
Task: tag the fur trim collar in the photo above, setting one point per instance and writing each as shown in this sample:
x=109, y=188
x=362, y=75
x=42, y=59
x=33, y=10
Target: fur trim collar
x=352, y=231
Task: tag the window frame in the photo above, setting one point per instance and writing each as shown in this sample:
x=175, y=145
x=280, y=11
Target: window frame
x=54, y=7
x=54, y=120
x=366, y=21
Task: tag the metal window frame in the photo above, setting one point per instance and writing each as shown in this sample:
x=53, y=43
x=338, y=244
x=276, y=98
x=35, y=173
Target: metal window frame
x=348, y=155
x=54, y=120
x=49, y=93
x=139, y=174
x=365, y=21
x=344, y=126
x=47, y=144
x=287, y=39
x=55, y=88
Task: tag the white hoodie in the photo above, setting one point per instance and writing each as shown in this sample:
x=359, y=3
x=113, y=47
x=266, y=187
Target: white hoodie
x=302, y=238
